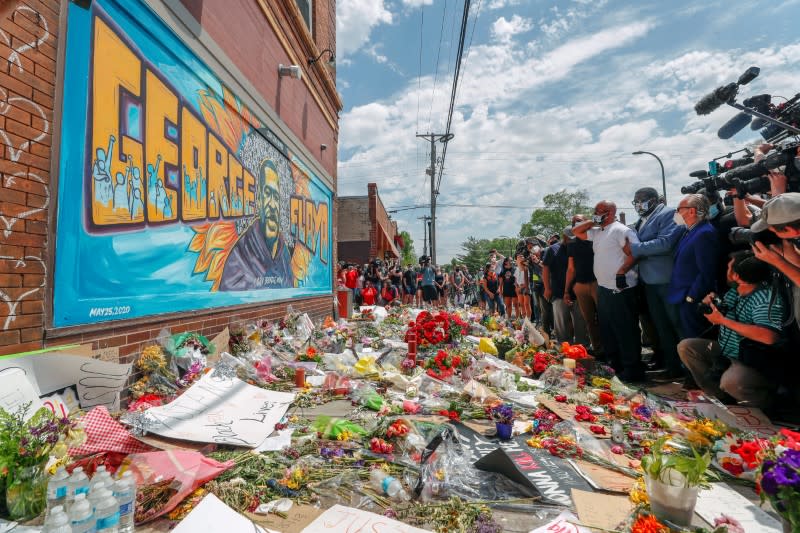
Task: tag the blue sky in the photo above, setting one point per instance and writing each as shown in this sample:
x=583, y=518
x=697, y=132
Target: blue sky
x=552, y=95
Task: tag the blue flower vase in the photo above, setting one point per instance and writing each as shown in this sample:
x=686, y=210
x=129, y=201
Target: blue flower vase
x=504, y=430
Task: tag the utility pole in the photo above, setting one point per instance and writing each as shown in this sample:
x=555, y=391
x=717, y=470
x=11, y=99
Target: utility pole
x=431, y=171
x=425, y=225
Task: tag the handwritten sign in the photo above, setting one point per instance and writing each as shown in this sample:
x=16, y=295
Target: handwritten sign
x=551, y=476
x=297, y=518
x=222, y=410
x=564, y=523
x=721, y=499
x=211, y=514
x=340, y=518
x=745, y=418
x=100, y=382
x=16, y=390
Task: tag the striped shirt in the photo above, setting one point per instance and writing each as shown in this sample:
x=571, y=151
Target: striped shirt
x=753, y=308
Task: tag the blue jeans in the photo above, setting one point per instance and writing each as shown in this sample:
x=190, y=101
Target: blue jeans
x=496, y=302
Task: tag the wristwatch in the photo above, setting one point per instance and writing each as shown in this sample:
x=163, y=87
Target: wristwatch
x=689, y=299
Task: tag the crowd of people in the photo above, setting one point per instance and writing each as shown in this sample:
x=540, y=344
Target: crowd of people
x=719, y=313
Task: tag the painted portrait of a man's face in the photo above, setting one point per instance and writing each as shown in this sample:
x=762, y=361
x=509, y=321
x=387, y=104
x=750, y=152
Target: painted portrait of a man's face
x=268, y=200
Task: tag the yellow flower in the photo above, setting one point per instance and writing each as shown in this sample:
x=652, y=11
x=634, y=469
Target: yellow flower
x=344, y=436
x=638, y=493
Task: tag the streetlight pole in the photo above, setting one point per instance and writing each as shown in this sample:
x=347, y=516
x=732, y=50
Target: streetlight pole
x=663, y=177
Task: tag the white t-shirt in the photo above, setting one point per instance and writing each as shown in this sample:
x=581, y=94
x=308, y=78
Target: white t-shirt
x=521, y=277
x=607, y=244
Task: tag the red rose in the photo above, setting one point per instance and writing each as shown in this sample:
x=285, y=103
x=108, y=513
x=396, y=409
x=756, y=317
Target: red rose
x=597, y=430
x=539, y=367
x=561, y=398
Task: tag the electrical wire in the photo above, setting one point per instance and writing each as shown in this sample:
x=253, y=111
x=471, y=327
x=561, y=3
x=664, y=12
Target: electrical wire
x=456, y=75
x=436, y=72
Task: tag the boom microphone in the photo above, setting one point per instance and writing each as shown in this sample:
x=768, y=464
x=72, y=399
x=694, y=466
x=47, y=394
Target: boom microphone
x=716, y=98
x=734, y=126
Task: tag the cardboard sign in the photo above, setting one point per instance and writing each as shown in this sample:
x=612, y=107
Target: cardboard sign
x=745, y=418
x=340, y=518
x=222, y=410
x=601, y=510
x=16, y=390
x=551, y=476
x=721, y=499
x=297, y=518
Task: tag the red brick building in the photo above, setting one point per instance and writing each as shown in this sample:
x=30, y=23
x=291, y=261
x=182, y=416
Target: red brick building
x=365, y=229
x=188, y=131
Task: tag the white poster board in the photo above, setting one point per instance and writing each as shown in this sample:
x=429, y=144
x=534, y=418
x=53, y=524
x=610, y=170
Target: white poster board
x=16, y=390
x=721, y=499
x=98, y=382
x=340, y=518
x=211, y=514
x=222, y=410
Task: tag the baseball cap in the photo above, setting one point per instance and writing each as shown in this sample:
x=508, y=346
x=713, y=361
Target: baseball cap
x=568, y=233
x=782, y=209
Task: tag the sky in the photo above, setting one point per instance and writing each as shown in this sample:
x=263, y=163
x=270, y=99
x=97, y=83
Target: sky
x=552, y=95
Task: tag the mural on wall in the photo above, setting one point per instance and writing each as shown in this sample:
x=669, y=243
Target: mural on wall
x=172, y=194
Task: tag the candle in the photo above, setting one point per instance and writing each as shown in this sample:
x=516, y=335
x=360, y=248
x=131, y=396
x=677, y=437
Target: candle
x=300, y=377
x=569, y=363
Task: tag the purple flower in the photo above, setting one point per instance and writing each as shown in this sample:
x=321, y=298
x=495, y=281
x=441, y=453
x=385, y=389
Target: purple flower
x=23, y=441
x=769, y=484
x=785, y=476
x=791, y=458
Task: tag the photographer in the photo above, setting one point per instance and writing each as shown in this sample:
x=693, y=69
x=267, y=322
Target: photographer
x=744, y=361
x=781, y=215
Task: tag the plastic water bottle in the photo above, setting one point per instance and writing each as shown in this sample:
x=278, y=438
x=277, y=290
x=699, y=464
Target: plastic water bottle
x=100, y=479
x=81, y=516
x=107, y=513
x=78, y=484
x=57, y=490
x=125, y=493
x=57, y=521
x=388, y=485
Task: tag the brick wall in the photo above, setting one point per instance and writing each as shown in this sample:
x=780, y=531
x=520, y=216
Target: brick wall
x=28, y=56
x=28, y=41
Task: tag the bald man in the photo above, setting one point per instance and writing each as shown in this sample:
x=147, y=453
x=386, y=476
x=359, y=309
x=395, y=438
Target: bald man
x=616, y=296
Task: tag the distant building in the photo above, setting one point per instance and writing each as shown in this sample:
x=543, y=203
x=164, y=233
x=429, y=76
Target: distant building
x=364, y=229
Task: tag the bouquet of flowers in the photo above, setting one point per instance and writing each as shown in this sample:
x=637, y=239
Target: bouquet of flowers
x=311, y=355
x=502, y=413
x=443, y=365
x=437, y=329
x=780, y=484
x=544, y=360
x=574, y=351
x=740, y=457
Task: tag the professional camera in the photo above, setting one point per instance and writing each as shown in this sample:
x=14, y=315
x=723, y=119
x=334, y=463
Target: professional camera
x=424, y=260
x=785, y=155
x=718, y=303
x=745, y=236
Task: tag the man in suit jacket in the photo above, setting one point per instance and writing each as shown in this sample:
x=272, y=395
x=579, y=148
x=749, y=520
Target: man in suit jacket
x=658, y=235
x=694, y=272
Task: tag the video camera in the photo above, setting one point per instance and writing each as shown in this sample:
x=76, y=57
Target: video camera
x=745, y=236
x=424, y=260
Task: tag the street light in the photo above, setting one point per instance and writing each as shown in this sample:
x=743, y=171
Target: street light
x=663, y=178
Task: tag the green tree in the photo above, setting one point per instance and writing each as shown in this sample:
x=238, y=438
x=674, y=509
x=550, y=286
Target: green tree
x=557, y=214
x=407, y=254
x=476, y=251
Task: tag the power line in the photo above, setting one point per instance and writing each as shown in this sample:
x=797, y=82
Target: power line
x=456, y=75
x=436, y=72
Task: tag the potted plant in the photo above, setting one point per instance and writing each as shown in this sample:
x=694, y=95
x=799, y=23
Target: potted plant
x=503, y=416
x=26, y=444
x=780, y=484
x=674, y=472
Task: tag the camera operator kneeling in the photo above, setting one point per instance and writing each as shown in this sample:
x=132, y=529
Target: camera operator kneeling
x=746, y=358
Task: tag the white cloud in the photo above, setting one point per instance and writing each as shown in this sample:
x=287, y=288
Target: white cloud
x=512, y=145
x=500, y=4
x=354, y=22
x=417, y=3
x=504, y=30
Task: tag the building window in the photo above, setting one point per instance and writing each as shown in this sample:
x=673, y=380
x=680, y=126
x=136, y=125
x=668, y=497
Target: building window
x=306, y=7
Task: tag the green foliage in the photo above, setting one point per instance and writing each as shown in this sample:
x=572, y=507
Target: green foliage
x=407, y=255
x=476, y=251
x=666, y=454
x=559, y=208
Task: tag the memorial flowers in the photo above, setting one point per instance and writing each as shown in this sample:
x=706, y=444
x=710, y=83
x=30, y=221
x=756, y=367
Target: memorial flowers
x=780, y=484
x=443, y=365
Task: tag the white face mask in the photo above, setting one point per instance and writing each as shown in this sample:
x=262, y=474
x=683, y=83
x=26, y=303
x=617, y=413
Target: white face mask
x=678, y=219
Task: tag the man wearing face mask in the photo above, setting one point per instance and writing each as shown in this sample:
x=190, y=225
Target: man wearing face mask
x=695, y=266
x=616, y=295
x=658, y=235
